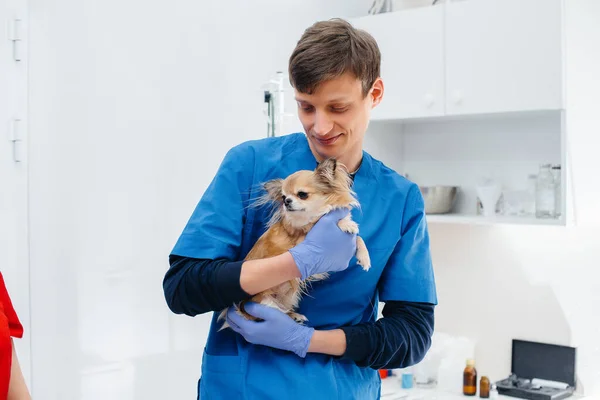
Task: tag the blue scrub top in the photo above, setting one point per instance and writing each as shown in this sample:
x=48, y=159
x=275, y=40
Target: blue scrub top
x=224, y=225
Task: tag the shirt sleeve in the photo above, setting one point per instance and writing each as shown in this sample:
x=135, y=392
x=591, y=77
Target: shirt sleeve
x=398, y=340
x=14, y=325
x=408, y=274
x=193, y=286
x=214, y=230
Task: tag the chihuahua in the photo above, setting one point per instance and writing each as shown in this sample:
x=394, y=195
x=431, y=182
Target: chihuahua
x=300, y=200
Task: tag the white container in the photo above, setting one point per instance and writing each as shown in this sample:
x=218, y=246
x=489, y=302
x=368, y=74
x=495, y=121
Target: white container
x=556, y=172
x=544, y=193
x=489, y=194
x=398, y=5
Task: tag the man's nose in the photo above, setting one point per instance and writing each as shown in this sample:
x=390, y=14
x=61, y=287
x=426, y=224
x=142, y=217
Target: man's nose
x=323, y=124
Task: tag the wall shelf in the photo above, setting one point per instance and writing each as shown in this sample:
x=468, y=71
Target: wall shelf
x=481, y=220
x=462, y=151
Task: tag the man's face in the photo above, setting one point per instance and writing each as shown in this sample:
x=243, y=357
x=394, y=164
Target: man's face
x=335, y=117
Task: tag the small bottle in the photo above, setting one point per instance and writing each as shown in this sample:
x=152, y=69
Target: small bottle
x=556, y=172
x=470, y=378
x=484, y=387
x=493, y=392
x=544, y=193
x=407, y=378
x=531, y=184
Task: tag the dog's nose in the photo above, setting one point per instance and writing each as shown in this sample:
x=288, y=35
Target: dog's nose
x=287, y=201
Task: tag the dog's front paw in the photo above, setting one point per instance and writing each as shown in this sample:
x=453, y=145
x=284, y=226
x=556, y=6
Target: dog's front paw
x=301, y=319
x=362, y=254
x=348, y=226
x=363, y=259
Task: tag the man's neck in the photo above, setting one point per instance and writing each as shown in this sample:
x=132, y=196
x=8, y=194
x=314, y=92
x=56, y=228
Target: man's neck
x=351, y=160
x=351, y=163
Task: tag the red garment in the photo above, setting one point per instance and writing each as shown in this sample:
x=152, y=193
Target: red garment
x=9, y=326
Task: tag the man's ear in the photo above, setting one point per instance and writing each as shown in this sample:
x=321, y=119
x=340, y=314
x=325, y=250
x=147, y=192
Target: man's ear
x=273, y=188
x=376, y=92
x=326, y=171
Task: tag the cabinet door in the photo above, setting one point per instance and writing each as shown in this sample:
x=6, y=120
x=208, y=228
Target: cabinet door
x=412, y=61
x=14, y=182
x=503, y=55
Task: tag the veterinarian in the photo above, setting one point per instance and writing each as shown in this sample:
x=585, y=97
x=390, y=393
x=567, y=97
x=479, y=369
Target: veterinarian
x=334, y=70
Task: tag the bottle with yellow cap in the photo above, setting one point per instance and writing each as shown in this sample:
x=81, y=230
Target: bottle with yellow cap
x=470, y=378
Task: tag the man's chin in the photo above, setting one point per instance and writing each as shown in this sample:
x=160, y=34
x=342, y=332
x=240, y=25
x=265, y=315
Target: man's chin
x=329, y=151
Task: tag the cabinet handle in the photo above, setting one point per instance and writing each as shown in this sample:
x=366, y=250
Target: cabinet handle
x=429, y=100
x=457, y=97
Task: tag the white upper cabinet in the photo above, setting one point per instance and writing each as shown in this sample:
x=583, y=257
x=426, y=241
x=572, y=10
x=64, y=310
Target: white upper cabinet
x=503, y=56
x=470, y=57
x=412, y=66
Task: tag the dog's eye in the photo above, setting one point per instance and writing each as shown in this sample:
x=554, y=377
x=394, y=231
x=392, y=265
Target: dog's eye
x=302, y=195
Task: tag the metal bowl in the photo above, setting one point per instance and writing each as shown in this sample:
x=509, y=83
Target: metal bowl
x=438, y=199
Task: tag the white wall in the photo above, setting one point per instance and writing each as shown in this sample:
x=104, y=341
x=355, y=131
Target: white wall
x=132, y=106
x=535, y=283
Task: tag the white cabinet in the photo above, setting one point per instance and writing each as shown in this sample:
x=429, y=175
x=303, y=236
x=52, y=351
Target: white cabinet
x=470, y=57
x=503, y=56
x=412, y=65
x=14, y=181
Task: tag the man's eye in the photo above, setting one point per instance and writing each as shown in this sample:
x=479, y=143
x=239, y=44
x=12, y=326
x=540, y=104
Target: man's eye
x=307, y=109
x=302, y=195
x=339, y=110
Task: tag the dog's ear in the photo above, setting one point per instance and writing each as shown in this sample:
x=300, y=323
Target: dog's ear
x=326, y=171
x=273, y=189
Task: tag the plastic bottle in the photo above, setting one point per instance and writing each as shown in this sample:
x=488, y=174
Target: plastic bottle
x=407, y=378
x=556, y=172
x=544, y=193
x=493, y=392
x=470, y=378
x=531, y=192
x=484, y=387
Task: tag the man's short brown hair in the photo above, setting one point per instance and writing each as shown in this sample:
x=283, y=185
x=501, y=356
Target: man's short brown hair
x=327, y=50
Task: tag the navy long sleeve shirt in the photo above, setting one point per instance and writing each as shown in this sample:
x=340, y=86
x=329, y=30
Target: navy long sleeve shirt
x=399, y=339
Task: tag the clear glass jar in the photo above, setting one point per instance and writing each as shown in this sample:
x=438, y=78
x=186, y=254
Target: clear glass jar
x=556, y=172
x=531, y=185
x=544, y=192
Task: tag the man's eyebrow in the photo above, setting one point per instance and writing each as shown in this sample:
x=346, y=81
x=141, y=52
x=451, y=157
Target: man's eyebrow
x=336, y=100
x=339, y=100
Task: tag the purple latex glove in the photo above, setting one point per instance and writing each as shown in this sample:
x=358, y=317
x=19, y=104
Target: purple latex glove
x=277, y=330
x=326, y=247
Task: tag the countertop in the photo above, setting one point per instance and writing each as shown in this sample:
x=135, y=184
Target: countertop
x=391, y=389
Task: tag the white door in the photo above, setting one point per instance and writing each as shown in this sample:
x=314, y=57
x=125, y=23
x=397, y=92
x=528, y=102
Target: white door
x=503, y=55
x=14, y=252
x=412, y=66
